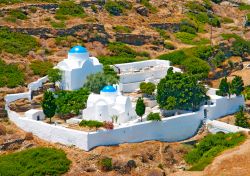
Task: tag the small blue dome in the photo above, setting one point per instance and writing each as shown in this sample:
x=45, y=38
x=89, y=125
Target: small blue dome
x=108, y=89
x=78, y=50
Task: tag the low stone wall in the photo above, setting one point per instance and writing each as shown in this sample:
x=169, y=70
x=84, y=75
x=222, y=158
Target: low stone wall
x=171, y=27
x=89, y=32
x=134, y=39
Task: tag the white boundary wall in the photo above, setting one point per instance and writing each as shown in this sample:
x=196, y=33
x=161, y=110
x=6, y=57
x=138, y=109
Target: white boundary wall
x=215, y=126
x=170, y=129
x=51, y=132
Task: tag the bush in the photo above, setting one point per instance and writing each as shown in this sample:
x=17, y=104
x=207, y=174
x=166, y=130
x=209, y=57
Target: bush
x=91, y=123
x=10, y=75
x=210, y=146
x=154, y=116
x=35, y=161
x=95, y=82
x=175, y=57
x=3, y=130
x=58, y=25
x=16, y=14
x=106, y=164
x=111, y=60
x=147, y=4
x=147, y=88
x=16, y=43
x=122, y=29
x=169, y=46
x=120, y=49
x=69, y=8
x=113, y=8
x=241, y=120
x=108, y=125
x=244, y=6
x=247, y=93
x=41, y=68
x=163, y=33
x=190, y=39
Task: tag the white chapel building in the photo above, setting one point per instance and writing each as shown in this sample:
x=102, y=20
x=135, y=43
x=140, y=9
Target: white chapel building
x=107, y=104
x=77, y=67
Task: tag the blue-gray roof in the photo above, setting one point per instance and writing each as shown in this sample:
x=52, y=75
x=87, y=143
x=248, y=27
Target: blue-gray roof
x=78, y=50
x=108, y=89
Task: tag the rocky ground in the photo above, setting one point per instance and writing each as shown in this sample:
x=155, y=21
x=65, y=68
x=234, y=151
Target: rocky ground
x=128, y=159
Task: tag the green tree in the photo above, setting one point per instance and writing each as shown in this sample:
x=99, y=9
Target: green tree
x=54, y=75
x=147, y=88
x=224, y=88
x=96, y=82
x=71, y=102
x=49, y=105
x=241, y=120
x=237, y=85
x=140, y=107
x=180, y=91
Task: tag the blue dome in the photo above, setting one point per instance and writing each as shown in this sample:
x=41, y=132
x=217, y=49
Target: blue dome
x=108, y=89
x=78, y=50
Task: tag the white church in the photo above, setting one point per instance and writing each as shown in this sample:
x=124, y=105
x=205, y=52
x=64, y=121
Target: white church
x=77, y=67
x=109, y=105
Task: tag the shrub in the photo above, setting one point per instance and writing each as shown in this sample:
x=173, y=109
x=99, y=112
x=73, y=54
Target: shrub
x=244, y=6
x=210, y=146
x=227, y=20
x=120, y=49
x=122, y=29
x=94, y=8
x=16, y=14
x=169, y=46
x=203, y=52
x=108, y=125
x=111, y=60
x=91, y=123
x=106, y=164
x=163, y=33
x=190, y=39
x=175, y=57
x=10, y=75
x=58, y=25
x=16, y=43
x=247, y=93
x=95, y=82
x=69, y=8
x=147, y=88
x=197, y=67
x=154, y=116
x=35, y=161
x=147, y=4
x=113, y=8
x=241, y=120
x=41, y=68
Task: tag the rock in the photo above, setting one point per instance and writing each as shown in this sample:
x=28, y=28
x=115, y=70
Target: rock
x=90, y=169
x=142, y=10
x=131, y=164
x=28, y=136
x=156, y=172
x=3, y=130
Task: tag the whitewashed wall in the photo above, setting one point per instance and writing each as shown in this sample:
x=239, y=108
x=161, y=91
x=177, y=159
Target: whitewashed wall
x=215, y=126
x=224, y=106
x=170, y=129
x=37, y=84
x=50, y=132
